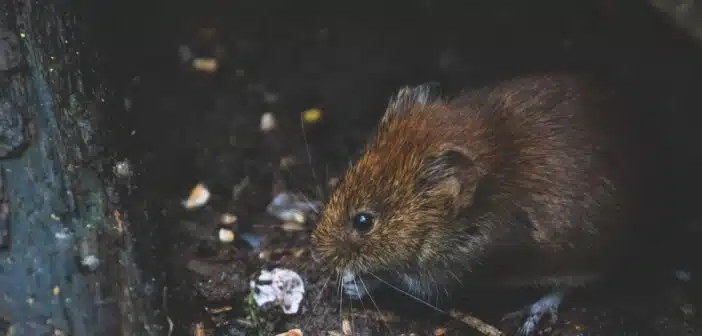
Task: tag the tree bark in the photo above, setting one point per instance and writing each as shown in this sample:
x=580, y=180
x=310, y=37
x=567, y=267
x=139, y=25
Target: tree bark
x=57, y=275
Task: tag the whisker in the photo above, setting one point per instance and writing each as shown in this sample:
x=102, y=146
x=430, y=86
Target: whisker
x=309, y=157
x=435, y=293
x=309, y=204
x=467, y=319
x=341, y=300
x=349, y=317
x=453, y=275
x=326, y=177
x=321, y=292
x=409, y=295
x=365, y=312
x=387, y=325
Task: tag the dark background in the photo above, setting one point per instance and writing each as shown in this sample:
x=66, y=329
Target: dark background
x=346, y=58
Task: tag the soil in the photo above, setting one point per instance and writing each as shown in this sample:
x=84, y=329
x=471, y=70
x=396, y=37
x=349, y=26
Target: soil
x=182, y=126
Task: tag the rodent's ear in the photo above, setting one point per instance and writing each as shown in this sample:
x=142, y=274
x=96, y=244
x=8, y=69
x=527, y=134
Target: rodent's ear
x=411, y=96
x=450, y=173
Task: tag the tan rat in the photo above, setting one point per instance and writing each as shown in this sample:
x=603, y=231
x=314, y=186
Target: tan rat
x=530, y=182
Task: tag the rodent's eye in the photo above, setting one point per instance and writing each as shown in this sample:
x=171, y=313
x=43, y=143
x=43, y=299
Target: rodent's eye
x=363, y=222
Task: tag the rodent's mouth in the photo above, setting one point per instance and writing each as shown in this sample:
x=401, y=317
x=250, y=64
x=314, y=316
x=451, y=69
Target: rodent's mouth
x=348, y=276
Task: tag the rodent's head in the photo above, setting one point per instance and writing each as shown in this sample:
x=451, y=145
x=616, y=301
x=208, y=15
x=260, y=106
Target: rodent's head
x=396, y=208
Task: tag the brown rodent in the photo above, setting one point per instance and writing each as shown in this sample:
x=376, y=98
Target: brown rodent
x=532, y=181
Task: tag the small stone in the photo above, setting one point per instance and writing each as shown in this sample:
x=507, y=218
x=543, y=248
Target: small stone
x=228, y=219
x=206, y=64
x=226, y=235
x=123, y=169
x=268, y=122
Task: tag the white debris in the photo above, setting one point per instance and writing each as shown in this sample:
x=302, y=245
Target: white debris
x=123, y=169
x=90, y=261
x=283, y=286
x=267, y=121
x=683, y=275
x=289, y=208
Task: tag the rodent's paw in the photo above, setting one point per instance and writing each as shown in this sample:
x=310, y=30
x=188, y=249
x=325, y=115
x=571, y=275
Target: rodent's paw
x=533, y=313
x=356, y=288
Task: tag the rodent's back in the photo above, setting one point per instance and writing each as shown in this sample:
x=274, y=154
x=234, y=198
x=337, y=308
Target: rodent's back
x=564, y=156
x=545, y=176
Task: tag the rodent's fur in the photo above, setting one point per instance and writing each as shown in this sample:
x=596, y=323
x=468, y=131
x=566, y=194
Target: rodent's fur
x=528, y=182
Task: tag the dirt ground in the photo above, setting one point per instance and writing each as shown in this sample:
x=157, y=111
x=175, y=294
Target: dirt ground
x=191, y=124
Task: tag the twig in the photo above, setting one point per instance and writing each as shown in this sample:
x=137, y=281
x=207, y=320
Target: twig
x=476, y=323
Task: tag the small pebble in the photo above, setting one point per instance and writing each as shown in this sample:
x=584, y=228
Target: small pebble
x=287, y=161
x=185, y=53
x=206, y=64
x=269, y=97
x=333, y=182
x=268, y=122
x=226, y=235
x=264, y=255
x=683, y=275
x=123, y=169
x=228, y=219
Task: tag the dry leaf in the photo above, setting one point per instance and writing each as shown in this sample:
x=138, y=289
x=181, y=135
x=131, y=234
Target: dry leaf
x=312, y=115
x=293, y=226
x=206, y=64
x=291, y=332
x=198, y=197
x=199, y=329
x=346, y=327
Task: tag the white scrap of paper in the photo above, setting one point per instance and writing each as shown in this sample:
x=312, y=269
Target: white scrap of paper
x=283, y=286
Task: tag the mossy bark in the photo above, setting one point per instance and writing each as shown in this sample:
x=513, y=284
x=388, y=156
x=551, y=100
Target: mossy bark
x=57, y=275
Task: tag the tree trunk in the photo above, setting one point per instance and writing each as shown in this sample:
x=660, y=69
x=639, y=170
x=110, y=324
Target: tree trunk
x=57, y=276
